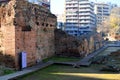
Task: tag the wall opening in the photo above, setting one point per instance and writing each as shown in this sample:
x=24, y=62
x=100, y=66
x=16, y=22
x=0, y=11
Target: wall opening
x=26, y=28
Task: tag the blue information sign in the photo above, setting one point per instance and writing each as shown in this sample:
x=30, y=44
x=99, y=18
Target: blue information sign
x=24, y=60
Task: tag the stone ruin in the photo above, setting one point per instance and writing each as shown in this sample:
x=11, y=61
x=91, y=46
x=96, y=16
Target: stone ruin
x=69, y=46
x=25, y=27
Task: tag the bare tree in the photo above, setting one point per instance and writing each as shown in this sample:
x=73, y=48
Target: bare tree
x=112, y=24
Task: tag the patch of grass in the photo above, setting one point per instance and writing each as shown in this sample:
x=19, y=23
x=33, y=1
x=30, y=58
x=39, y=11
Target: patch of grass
x=115, y=60
x=56, y=72
x=5, y=70
x=8, y=71
x=62, y=59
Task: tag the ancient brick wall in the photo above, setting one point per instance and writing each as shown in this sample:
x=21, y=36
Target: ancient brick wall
x=66, y=45
x=26, y=27
x=45, y=43
x=30, y=28
x=25, y=41
x=37, y=31
x=8, y=33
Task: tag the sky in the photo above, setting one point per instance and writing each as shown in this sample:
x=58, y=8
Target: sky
x=57, y=6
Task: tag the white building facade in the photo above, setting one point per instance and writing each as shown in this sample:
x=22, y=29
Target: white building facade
x=80, y=17
x=102, y=11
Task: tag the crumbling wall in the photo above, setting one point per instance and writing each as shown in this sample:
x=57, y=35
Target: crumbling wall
x=26, y=27
x=70, y=46
x=66, y=45
x=8, y=33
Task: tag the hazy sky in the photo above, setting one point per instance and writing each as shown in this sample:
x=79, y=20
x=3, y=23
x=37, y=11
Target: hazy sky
x=57, y=6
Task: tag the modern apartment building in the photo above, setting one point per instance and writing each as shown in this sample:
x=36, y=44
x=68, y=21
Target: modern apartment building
x=102, y=11
x=80, y=17
x=115, y=11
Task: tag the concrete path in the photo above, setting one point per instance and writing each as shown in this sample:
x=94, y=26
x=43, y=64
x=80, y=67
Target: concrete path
x=26, y=71
x=86, y=60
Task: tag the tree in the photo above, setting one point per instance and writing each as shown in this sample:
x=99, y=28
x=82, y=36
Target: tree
x=112, y=24
x=115, y=20
x=104, y=27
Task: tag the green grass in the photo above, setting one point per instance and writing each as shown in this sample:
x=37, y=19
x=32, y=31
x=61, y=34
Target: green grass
x=62, y=59
x=114, y=60
x=56, y=72
x=5, y=70
x=61, y=72
x=8, y=71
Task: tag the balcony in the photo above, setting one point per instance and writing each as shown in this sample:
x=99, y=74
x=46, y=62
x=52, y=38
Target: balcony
x=84, y=17
x=71, y=17
x=89, y=14
x=72, y=21
x=71, y=2
x=71, y=5
x=71, y=10
x=71, y=28
x=85, y=21
x=71, y=13
x=84, y=2
x=85, y=10
x=76, y=24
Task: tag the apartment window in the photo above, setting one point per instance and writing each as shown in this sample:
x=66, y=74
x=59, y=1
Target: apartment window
x=99, y=7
